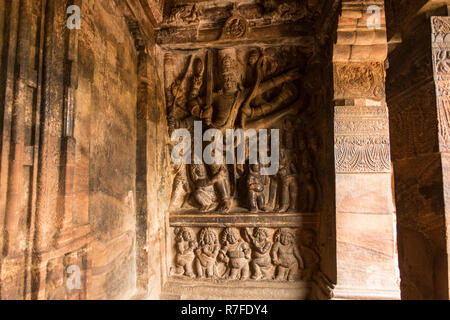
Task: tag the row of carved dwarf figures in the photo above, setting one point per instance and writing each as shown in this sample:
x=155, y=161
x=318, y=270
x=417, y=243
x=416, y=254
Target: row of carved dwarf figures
x=245, y=253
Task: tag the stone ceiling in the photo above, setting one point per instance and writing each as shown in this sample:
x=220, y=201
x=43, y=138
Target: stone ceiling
x=197, y=23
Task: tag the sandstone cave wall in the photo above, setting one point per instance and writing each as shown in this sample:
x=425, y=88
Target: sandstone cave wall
x=80, y=151
x=108, y=93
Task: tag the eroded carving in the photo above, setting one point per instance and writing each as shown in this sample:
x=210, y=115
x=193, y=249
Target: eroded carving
x=185, y=247
x=359, y=80
x=206, y=254
x=286, y=256
x=235, y=253
x=235, y=27
x=258, y=254
x=261, y=261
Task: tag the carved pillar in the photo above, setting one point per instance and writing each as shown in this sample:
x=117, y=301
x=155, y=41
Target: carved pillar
x=365, y=219
x=16, y=100
x=142, y=153
x=418, y=94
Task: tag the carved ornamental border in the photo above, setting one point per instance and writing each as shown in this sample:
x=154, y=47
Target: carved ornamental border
x=441, y=67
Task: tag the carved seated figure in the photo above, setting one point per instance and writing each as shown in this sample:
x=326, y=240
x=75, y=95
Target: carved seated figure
x=255, y=184
x=286, y=256
x=261, y=261
x=204, y=193
x=206, y=254
x=287, y=176
x=235, y=253
x=220, y=179
x=185, y=247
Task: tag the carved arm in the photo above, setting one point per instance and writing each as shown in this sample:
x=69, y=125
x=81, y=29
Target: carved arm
x=301, y=265
x=267, y=85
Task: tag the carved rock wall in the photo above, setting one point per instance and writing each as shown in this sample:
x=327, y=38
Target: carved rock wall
x=73, y=123
x=229, y=76
x=417, y=99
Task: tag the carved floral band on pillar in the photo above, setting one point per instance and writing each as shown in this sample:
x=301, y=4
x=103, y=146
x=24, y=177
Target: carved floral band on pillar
x=362, y=139
x=361, y=124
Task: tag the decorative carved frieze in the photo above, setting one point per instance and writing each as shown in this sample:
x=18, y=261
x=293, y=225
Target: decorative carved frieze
x=359, y=80
x=266, y=254
x=361, y=139
x=441, y=66
x=235, y=27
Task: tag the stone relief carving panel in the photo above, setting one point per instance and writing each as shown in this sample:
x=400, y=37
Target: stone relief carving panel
x=185, y=12
x=252, y=88
x=230, y=222
x=362, y=139
x=249, y=253
x=359, y=80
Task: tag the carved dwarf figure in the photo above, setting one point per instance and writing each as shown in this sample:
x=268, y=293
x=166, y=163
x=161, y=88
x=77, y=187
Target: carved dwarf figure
x=185, y=246
x=235, y=253
x=255, y=184
x=286, y=256
x=287, y=175
x=206, y=254
x=261, y=245
x=309, y=254
x=204, y=193
x=310, y=188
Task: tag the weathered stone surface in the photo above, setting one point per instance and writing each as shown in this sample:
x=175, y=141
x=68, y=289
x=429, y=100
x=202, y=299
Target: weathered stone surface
x=417, y=97
x=88, y=187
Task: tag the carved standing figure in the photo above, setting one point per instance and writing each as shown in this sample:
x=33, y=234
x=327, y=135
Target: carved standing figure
x=206, y=254
x=255, y=184
x=235, y=253
x=197, y=105
x=309, y=254
x=233, y=99
x=286, y=256
x=261, y=261
x=289, y=186
x=180, y=186
x=185, y=246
